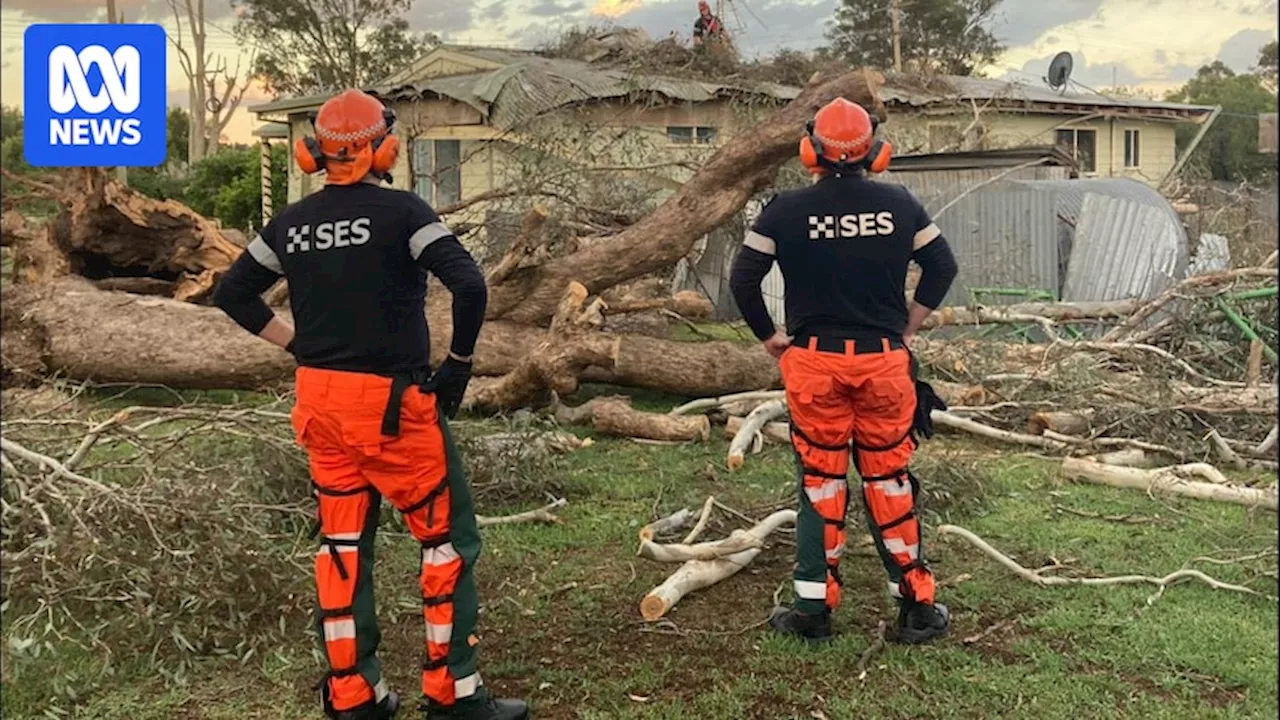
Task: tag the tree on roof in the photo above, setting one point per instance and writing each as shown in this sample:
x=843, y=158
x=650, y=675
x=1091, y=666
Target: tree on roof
x=312, y=46
x=951, y=37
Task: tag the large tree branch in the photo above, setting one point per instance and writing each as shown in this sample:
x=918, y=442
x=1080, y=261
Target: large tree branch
x=739, y=170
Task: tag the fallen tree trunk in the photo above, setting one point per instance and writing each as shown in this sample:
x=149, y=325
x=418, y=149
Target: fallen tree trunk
x=615, y=416
x=720, y=188
x=69, y=328
x=1168, y=479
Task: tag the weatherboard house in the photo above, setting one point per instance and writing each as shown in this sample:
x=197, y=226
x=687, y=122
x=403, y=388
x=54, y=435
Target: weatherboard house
x=468, y=114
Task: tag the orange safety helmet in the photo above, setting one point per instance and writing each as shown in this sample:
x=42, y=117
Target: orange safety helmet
x=703, y=7
x=841, y=138
x=353, y=139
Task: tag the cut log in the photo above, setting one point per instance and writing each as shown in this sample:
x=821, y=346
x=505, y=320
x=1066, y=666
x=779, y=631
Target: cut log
x=667, y=525
x=698, y=574
x=686, y=303
x=1073, y=424
x=775, y=432
x=746, y=436
x=1057, y=312
x=1168, y=479
x=615, y=416
x=959, y=394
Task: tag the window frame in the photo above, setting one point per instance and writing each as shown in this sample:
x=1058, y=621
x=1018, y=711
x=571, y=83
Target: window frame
x=1132, y=149
x=1073, y=147
x=696, y=135
x=438, y=177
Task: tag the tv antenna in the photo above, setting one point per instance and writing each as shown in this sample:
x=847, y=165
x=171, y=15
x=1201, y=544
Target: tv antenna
x=1059, y=72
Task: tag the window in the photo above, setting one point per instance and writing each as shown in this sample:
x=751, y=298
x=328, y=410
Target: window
x=437, y=171
x=1132, y=143
x=690, y=135
x=1082, y=146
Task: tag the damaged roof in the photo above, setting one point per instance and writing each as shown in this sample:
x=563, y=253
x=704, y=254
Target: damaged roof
x=948, y=89
x=512, y=86
x=532, y=85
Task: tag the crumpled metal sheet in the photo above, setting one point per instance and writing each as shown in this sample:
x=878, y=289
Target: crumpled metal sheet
x=1122, y=249
x=1213, y=253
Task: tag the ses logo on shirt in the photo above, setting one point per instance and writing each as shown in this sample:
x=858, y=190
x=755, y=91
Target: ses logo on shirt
x=94, y=95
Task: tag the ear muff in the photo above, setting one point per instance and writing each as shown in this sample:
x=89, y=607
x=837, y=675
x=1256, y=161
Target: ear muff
x=810, y=149
x=385, y=151
x=306, y=152
x=877, y=160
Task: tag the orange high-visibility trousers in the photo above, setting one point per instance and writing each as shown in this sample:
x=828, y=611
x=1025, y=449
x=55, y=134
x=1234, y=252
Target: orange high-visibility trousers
x=842, y=393
x=338, y=420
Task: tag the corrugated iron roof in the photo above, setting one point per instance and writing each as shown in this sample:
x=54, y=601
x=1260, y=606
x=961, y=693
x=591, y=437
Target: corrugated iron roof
x=533, y=85
x=907, y=90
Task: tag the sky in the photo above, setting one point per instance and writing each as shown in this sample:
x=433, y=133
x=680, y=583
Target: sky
x=1153, y=44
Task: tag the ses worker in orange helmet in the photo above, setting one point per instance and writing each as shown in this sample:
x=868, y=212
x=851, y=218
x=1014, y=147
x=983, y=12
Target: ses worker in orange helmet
x=843, y=245
x=369, y=412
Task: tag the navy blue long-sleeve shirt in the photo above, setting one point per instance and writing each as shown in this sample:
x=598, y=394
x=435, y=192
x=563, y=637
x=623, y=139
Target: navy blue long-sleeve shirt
x=356, y=260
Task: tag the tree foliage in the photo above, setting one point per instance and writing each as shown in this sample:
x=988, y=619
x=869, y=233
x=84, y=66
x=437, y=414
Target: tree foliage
x=942, y=36
x=314, y=46
x=1229, y=150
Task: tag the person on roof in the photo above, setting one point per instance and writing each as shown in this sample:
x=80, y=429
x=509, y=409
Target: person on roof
x=843, y=245
x=707, y=25
x=368, y=411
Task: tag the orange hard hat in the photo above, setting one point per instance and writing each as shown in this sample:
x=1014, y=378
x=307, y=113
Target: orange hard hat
x=353, y=139
x=703, y=6
x=841, y=137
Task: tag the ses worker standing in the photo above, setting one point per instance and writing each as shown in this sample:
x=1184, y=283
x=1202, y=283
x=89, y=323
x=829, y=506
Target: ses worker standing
x=368, y=412
x=843, y=245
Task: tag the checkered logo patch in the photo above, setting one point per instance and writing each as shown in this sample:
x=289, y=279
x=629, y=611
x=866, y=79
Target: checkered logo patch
x=822, y=227
x=299, y=239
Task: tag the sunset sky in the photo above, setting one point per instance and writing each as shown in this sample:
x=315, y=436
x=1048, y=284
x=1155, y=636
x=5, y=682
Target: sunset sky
x=1156, y=44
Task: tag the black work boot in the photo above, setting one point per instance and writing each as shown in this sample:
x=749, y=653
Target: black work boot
x=488, y=709
x=920, y=622
x=384, y=710
x=812, y=628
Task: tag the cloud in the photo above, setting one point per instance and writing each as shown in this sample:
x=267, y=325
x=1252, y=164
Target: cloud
x=1099, y=76
x=95, y=10
x=442, y=17
x=553, y=8
x=1240, y=51
x=1022, y=23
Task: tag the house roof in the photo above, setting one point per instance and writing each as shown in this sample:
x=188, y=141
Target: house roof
x=948, y=89
x=525, y=84
x=509, y=87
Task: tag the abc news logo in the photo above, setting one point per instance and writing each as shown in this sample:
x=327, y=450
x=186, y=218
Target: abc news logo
x=830, y=227
x=69, y=90
x=94, y=95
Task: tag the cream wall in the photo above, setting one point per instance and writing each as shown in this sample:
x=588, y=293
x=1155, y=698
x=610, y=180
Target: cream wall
x=1157, y=151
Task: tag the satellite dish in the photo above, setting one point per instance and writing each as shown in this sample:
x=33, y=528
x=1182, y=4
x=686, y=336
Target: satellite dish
x=1059, y=71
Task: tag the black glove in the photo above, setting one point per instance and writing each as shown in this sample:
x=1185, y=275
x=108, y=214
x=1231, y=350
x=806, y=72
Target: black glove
x=449, y=384
x=926, y=402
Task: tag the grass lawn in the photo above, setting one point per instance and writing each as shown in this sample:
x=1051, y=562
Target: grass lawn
x=561, y=626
